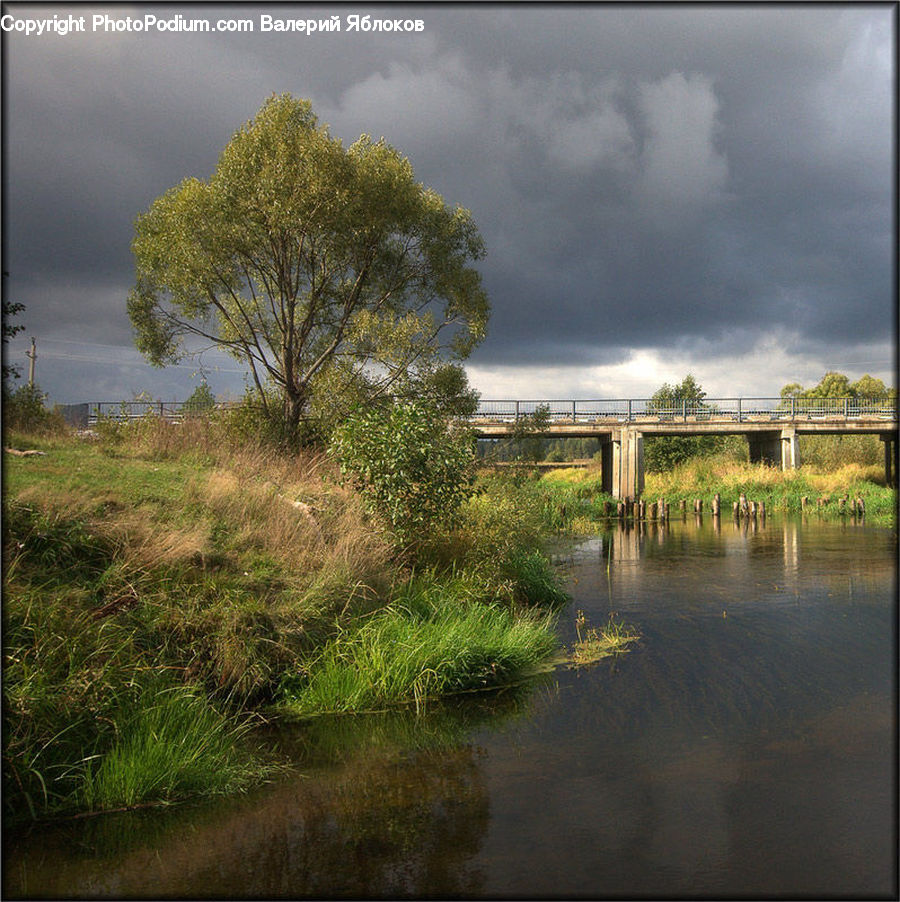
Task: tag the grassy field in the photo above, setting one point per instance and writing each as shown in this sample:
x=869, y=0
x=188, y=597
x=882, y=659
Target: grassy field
x=165, y=587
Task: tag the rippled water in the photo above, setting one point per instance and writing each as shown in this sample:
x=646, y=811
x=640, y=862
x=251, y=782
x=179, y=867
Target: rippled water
x=746, y=746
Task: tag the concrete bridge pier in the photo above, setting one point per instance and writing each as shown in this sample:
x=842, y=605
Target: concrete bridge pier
x=778, y=448
x=890, y=458
x=622, y=463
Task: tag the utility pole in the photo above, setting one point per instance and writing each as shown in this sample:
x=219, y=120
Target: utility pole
x=32, y=356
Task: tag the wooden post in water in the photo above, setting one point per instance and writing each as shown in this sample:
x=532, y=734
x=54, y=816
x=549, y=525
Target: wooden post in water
x=762, y=510
x=716, y=505
x=683, y=506
x=753, y=509
x=736, y=510
x=620, y=510
x=860, y=506
x=651, y=510
x=745, y=509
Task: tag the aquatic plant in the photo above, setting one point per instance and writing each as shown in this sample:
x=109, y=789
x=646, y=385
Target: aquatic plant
x=594, y=643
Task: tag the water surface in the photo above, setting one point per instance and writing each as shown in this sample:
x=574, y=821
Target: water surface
x=745, y=746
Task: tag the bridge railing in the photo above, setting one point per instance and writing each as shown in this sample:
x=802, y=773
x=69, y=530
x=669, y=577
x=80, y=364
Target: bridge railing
x=575, y=411
x=644, y=409
x=125, y=411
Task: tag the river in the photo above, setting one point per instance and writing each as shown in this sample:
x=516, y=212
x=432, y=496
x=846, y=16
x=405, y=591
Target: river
x=747, y=745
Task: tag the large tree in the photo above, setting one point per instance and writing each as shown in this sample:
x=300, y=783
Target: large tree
x=315, y=264
x=662, y=453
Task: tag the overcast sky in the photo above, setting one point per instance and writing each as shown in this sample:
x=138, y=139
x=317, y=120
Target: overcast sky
x=661, y=189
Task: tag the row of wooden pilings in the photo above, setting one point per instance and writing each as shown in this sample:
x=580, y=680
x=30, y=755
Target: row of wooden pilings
x=659, y=510
x=856, y=507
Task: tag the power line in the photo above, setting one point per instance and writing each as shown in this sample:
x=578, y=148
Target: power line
x=56, y=355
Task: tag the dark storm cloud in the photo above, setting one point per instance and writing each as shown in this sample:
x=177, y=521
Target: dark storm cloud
x=666, y=178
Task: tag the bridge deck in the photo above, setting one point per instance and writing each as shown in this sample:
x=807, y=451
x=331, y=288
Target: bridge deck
x=577, y=418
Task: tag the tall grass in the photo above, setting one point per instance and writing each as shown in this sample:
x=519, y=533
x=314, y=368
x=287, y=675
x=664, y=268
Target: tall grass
x=171, y=743
x=574, y=500
x=420, y=647
x=161, y=580
x=781, y=490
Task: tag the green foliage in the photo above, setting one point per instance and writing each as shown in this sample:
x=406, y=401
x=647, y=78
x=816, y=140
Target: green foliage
x=309, y=261
x=669, y=397
x=837, y=385
x=662, y=453
x=412, y=469
x=251, y=422
x=830, y=452
x=24, y=409
x=201, y=400
x=10, y=309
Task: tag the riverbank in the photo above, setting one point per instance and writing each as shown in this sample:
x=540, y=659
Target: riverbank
x=166, y=588
x=575, y=499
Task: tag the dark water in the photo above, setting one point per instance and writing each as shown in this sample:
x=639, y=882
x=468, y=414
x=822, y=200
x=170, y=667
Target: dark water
x=745, y=747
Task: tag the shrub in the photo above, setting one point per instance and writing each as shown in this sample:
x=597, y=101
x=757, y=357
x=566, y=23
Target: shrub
x=413, y=470
x=24, y=409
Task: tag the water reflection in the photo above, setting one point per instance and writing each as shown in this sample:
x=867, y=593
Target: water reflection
x=744, y=747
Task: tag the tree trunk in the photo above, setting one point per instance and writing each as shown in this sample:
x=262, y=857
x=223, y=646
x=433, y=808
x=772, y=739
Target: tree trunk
x=293, y=411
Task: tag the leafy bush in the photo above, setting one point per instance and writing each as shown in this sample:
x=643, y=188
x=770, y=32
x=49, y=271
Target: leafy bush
x=413, y=470
x=24, y=409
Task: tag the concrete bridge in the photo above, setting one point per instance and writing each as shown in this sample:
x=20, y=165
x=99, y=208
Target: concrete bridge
x=772, y=427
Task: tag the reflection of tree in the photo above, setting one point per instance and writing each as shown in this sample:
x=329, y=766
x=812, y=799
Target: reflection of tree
x=387, y=806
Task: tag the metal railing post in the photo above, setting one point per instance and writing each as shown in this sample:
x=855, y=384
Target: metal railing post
x=573, y=411
x=517, y=411
x=628, y=418
x=740, y=415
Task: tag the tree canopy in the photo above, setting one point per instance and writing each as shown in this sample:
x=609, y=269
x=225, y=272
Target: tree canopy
x=667, y=396
x=837, y=385
x=661, y=453
x=325, y=269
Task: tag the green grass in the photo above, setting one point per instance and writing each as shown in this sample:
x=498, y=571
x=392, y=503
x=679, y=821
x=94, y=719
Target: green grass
x=435, y=639
x=161, y=583
x=170, y=744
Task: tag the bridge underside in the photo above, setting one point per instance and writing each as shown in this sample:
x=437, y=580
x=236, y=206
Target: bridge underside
x=622, y=446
